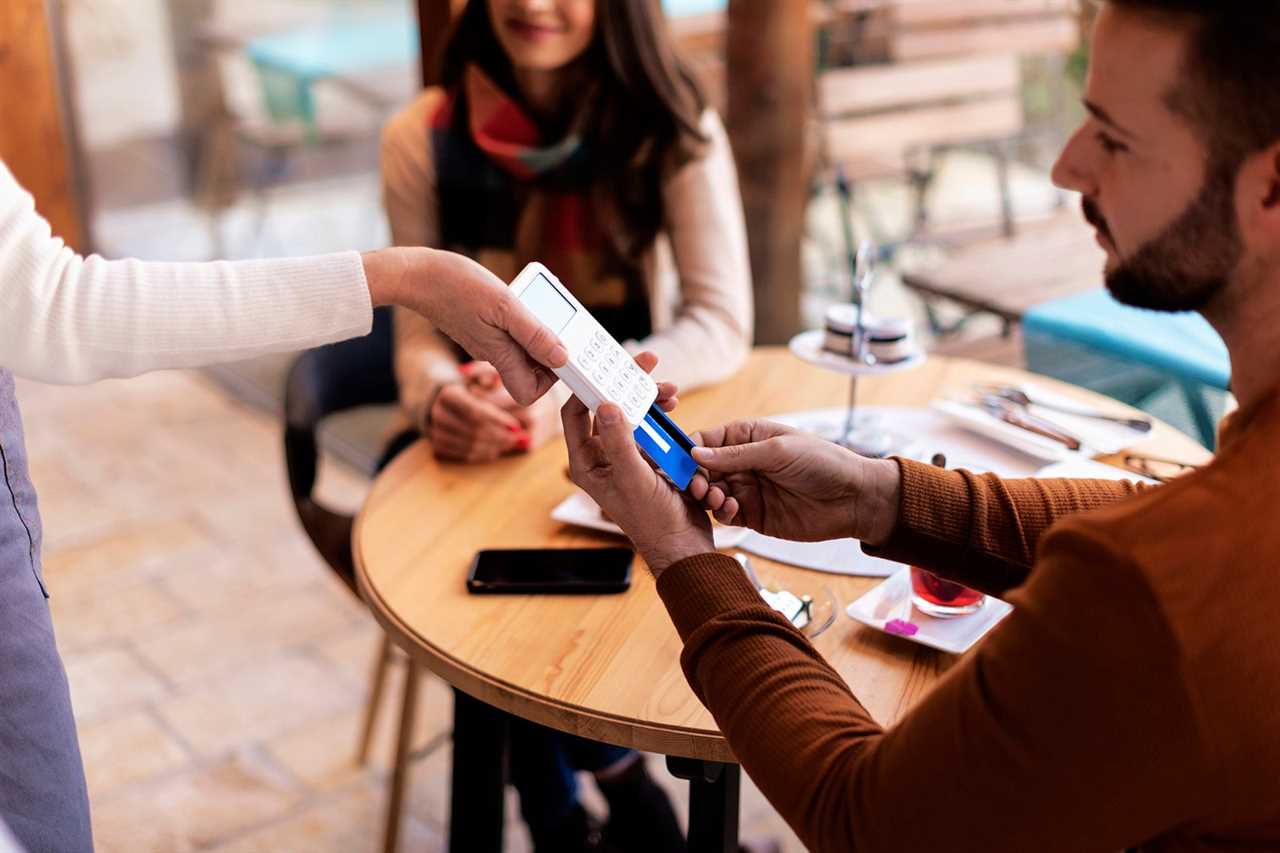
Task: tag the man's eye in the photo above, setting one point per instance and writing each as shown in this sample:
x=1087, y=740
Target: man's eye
x=1110, y=145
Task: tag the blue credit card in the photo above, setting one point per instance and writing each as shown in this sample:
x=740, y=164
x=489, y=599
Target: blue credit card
x=667, y=445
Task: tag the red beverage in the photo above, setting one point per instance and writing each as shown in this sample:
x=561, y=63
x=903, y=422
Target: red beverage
x=938, y=597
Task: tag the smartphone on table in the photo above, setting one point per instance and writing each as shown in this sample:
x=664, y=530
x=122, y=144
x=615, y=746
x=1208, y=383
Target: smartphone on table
x=551, y=571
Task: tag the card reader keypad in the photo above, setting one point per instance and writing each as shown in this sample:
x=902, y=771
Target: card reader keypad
x=614, y=372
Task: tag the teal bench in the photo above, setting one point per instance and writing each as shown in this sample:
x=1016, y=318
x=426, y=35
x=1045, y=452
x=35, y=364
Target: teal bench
x=1172, y=365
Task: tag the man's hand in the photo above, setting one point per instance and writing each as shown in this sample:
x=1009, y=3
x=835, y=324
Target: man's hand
x=785, y=483
x=473, y=307
x=606, y=464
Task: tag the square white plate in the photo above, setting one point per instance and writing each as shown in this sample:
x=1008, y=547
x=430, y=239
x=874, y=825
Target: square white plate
x=984, y=424
x=890, y=601
x=580, y=510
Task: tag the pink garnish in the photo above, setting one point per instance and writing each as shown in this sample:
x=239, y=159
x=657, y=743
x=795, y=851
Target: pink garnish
x=901, y=628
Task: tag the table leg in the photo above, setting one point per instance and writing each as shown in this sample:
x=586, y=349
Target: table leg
x=713, y=803
x=477, y=798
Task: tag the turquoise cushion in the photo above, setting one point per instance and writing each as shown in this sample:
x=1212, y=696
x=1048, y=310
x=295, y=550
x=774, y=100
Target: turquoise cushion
x=1182, y=345
x=343, y=45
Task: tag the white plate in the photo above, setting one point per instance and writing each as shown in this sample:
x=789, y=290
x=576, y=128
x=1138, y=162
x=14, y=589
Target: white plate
x=581, y=511
x=891, y=601
x=979, y=421
x=807, y=346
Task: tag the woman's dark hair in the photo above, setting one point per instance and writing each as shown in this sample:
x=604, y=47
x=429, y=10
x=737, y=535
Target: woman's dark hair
x=646, y=115
x=1230, y=86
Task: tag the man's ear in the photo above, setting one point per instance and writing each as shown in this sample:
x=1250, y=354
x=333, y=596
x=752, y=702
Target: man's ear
x=1271, y=201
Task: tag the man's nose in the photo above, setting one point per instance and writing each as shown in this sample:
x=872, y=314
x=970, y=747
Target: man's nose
x=1072, y=170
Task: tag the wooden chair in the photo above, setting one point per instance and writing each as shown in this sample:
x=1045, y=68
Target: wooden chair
x=949, y=77
x=932, y=76
x=323, y=382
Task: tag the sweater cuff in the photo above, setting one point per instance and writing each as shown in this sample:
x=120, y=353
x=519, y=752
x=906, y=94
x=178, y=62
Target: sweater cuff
x=933, y=516
x=698, y=589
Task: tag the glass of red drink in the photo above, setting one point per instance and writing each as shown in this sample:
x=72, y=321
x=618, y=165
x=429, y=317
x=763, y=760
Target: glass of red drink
x=935, y=596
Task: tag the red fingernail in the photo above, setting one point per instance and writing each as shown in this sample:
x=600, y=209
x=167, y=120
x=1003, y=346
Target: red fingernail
x=466, y=368
x=523, y=442
x=513, y=428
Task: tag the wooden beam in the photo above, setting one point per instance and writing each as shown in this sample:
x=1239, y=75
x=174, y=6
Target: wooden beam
x=32, y=137
x=770, y=76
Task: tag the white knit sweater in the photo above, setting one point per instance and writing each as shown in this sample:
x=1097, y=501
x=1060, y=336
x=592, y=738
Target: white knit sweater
x=66, y=318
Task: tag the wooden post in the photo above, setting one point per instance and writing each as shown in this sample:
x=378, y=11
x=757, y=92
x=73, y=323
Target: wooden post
x=32, y=136
x=770, y=79
x=199, y=84
x=434, y=17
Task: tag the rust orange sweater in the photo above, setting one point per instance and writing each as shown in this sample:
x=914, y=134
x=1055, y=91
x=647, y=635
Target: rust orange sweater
x=1131, y=699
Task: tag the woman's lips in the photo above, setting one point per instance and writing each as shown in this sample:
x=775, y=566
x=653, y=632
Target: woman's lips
x=531, y=32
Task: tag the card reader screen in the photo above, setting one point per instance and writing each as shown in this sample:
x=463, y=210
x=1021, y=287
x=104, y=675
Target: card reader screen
x=546, y=303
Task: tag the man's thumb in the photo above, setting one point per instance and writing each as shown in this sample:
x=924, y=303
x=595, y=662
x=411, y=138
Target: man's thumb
x=616, y=435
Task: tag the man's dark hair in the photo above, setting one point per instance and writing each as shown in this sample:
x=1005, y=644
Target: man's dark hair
x=1230, y=88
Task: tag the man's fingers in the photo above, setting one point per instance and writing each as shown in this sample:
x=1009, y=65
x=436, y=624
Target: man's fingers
x=698, y=486
x=619, y=445
x=727, y=512
x=741, y=432
x=737, y=457
x=577, y=425
x=646, y=361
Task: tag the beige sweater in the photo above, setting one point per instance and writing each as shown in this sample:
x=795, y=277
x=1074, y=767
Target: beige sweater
x=699, y=273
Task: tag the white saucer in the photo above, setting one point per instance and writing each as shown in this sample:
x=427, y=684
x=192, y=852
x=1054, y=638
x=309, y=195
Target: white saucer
x=890, y=601
x=807, y=346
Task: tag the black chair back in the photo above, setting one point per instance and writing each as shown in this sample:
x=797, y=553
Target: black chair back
x=322, y=382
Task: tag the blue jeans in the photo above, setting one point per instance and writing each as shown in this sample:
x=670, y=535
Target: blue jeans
x=43, y=797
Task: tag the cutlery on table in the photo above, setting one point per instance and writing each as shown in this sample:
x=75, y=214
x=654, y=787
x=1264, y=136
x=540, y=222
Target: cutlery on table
x=1016, y=395
x=1002, y=409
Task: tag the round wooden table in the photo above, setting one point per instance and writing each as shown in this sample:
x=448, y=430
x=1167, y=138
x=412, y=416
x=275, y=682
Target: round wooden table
x=607, y=667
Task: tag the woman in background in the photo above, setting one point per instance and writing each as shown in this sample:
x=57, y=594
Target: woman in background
x=569, y=132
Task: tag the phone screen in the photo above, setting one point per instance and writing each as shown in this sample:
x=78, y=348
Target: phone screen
x=557, y=571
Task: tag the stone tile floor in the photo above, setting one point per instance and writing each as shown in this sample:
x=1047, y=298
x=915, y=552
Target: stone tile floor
x=217, y=670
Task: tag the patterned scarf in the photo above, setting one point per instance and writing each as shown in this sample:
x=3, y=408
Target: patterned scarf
x=507, y=196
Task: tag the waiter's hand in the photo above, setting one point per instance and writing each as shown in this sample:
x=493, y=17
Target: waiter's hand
x=473, y=307
x=605, y=462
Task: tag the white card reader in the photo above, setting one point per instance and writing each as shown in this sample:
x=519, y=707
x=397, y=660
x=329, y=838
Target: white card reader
x=599, y=370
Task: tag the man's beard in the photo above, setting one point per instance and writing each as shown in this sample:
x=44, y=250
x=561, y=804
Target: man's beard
x=1187, y=264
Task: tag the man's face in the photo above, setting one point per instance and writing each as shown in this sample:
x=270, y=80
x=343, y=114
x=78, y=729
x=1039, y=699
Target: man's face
x=1164, y=214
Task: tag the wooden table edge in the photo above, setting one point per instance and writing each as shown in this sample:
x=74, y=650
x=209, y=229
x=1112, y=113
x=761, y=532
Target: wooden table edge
x=561, y=716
